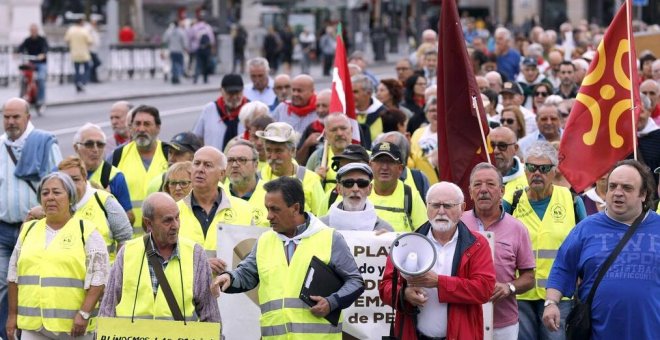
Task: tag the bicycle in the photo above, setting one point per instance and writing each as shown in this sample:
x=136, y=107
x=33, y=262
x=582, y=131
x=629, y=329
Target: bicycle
x=29, y=87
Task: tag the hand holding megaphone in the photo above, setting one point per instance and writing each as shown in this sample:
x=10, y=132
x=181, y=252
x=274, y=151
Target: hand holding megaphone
x=415, y=296
x=428, y=280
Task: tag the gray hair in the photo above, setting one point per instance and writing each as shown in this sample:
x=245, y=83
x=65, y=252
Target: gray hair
x=580, y=63
x=237, y=142
x=249, y=110
x=367, y=84
x=88, y=126
x=646, y=102
x=504, y=31
x=550, y=105
x=69, y=187
x=540, y=149
x=258, y=62
x=535, y=50
x=486, y=166
x=455, y=187
x=433, y=100
x=400, y=141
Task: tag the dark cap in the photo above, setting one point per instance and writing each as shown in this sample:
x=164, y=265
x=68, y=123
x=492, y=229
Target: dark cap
x=511, y=87
x=186, y=142
x=353, y=152
x=232, y=82
x=386, y=148
x=530, y=61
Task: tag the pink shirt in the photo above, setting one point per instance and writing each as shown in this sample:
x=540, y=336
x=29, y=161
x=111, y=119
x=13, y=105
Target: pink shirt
x=513, y=250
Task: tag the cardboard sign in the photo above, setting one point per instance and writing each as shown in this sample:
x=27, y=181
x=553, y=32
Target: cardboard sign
x=143, y=329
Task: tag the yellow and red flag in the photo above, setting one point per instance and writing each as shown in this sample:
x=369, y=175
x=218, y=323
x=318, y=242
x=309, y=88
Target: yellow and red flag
x=341, y=99
x=601, y=126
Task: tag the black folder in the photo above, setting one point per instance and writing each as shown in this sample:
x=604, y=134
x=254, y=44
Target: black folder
x=321, y=280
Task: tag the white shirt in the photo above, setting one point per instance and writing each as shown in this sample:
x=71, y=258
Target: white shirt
x=266, y=96
x=432, y=318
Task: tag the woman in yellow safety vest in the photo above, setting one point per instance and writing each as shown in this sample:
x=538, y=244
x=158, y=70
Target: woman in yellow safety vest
x=58, y=269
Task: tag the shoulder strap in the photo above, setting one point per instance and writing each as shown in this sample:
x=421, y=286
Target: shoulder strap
x=333, y=197
x=162, y=280
x=575, y=209
x=28, y=230
x=13, y=159
x=82, y=232
x=516, y=199
x=407, y=204
x=98, y=201
x=165, y=147
x=162, y=182
x=371, y=119
x=610, y=259
x=300, y=172
x=116, y=155
x=105, y=174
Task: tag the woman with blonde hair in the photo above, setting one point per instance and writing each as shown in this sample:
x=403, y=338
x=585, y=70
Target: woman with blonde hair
x=178, y=179
x=514, y=119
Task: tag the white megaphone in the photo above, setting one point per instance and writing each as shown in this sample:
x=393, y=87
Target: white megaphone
x=413, y=254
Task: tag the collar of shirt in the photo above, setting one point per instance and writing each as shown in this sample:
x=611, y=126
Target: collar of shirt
x=481, y=224
x=437, y=244
x=217, y=203
x=20, y=141
x=247, y=195
x=175, y=252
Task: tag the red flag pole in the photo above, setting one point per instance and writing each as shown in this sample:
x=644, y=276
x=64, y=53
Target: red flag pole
x=481, y=128
x=630, y=66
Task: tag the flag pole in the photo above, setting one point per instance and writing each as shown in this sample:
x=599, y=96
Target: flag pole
x=630, y=71
x=481, y=127
x=324, y=158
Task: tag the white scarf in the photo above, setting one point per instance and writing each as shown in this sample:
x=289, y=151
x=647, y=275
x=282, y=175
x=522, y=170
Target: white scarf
x=364, y=220
x=89, y=191
x=593, y=195
x=650, y=127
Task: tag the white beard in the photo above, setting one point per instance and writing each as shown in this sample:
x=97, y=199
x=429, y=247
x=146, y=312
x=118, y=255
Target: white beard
x=441, y=226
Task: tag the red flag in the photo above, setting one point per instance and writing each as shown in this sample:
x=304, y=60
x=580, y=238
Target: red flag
x=600, y=129
x=341, y=99
x=460, y=137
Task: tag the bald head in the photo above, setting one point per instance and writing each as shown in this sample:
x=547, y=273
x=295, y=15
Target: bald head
x=430, y=91
x=505, y=148
x=302, y=89
x=429, y=36
x=155, y=203
x=282, y=87
x=651, y=89
x=119, y=117
x=494, y=81
x=482, y=83
x=209, y=166
x=323, y=103
x=16, y=114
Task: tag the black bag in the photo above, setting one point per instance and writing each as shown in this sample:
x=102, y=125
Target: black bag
x=578, y=321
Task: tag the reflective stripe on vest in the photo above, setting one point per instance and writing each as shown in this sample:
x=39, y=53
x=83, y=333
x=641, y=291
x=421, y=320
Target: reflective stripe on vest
x=138, y=178
x=546, y=235
x=51, y=279
x=282, y=312
x=146, y=306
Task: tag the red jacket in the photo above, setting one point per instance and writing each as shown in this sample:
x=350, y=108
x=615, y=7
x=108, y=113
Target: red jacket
x=471, y=284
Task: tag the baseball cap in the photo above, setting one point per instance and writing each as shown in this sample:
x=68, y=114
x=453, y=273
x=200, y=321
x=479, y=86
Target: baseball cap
x=353, y=152
x=354, y=166
x=186, y=141
x=278, y=132
x=510, y=87
x=232, y=82
x=530, y=61
x=386, y=148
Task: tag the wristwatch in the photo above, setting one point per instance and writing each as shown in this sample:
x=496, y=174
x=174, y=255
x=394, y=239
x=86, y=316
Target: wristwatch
x=512, y=288
x=84, y=314
x=550, y=302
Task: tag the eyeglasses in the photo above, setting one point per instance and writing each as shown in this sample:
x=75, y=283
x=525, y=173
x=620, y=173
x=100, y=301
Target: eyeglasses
x=542, y=168
x=544, y=94
x=239, y=160
x=500, y=146
x=446, y=206
x=361, y=183
x=183, y=184
x=507, y=121
x=401, y=69
x=90, y=144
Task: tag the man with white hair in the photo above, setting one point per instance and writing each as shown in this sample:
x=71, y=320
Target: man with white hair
x=508, y=59
x=261, y=88
x=249, y=112
x=88, y=143
x=651, y=89
x=368, y=109
x=429, y=36
x=450, y=295
x=119, y=123
x=282, y=86
x=581, y=68
x=354, y=211
x=552, y=73
x=338, y=132
x=494, y=81
x=655, y=70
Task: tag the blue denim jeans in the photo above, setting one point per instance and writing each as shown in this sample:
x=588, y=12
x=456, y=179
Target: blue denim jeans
x=81, y=73
x=8, y=237
x=42, y=69
x=530, y=314
x=177, y=66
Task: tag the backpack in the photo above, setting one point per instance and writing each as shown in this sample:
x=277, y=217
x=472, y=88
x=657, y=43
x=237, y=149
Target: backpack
x=518, y=193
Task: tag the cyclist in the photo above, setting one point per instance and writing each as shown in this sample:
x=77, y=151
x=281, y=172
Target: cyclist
x=36, y=45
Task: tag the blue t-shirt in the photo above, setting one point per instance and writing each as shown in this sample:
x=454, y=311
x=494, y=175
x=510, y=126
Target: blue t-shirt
x=509, y=64
x=627, y=301
x=119, y=188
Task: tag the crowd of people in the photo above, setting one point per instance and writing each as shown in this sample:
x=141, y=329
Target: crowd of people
x=270, y=153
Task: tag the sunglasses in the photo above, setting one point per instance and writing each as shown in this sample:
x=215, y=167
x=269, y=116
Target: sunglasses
x=90, y=144
x=544, y=94
x=508, y=121
x=500, y=146
x=361, y=183
x=542, y=168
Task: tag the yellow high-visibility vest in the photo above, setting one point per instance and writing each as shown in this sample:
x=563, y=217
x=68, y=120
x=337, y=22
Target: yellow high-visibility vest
x=136, y=266
x=546, y=235
x=311, y=183
x=94, y=211
x=392, y=208
x=51, y=279
x=283, y=314
x=518, y=183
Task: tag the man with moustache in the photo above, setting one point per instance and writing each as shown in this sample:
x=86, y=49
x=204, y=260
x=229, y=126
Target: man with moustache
x=549, y=212
x=354, y=211
x=218, y=123
x=548, y=123
x=505, y=147
x=144, y=158
x=120, y=129
x=310, y=138
x=88, y=143
x=301, y=111
x=513, y=248
x=445, y=302
x=338, y=132
x=242, y=166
